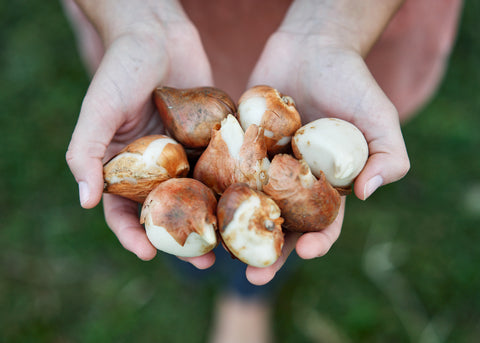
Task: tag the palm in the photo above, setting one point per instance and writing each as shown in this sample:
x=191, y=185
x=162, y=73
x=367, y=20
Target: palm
x=333, y=81
x=143, y=64
x=324, y=80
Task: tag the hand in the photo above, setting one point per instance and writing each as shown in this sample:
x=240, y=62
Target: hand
x=328, y=78
x=144, y=44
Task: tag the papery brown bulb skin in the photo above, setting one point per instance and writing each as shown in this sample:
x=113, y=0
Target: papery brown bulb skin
x=190, y=114
x=307, y=204
x=253, y=163
x=181, y=207
x=142, y=165
x=233, y=156
x=250, y=225
x=266, y=107
x=215, y=167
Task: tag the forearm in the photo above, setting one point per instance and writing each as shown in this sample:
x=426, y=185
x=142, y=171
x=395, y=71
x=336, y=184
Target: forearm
x=354, y=23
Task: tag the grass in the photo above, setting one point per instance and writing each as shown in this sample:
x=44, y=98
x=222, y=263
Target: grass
x=404, y=270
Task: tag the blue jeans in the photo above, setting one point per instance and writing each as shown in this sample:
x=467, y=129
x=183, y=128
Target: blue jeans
x=230, y=273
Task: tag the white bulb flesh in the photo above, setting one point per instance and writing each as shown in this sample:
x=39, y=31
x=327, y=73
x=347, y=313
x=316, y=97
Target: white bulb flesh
x=251, y=111
x=155, y=149
x=284, y=141
x=248, y=246
x=335, y=147
x=307, y=180
x=232, y=134
x=195, y=245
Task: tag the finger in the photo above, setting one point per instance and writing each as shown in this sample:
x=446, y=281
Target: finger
x=201, y=262
x=262, y=276
x=121, y=216
x=119, y=91
x=364, y=104
x=316, y=244
x=376, y=116
x=388, y=158
x=351, y=93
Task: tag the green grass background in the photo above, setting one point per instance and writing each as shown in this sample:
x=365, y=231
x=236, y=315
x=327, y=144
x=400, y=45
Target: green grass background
x=405, y=269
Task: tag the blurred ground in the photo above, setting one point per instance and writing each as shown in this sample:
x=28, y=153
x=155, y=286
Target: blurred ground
x=404, y=270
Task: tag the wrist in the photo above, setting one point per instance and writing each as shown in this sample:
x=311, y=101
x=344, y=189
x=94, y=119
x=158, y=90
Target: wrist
x=351, y=24
x=116, y=18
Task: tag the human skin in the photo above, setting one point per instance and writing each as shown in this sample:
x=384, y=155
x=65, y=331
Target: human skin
x=316, y=56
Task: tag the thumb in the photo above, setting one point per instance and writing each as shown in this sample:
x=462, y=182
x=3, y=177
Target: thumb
x=89, y=142
x=120, y=89
x=388, y=159
x=352, y=93
x=84, y=157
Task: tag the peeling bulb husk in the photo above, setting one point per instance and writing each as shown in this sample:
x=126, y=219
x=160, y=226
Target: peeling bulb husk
x=307, y=204
x=142, y=165
x=233, y=156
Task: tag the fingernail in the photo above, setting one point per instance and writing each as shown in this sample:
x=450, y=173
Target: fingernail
x=84, y=192
x=372, y=185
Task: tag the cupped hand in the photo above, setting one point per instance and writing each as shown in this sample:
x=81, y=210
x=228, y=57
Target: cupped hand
x=328, y=79
x=143, y=45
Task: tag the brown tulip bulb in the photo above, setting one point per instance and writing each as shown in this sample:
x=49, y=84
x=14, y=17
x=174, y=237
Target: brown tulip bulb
x=233, y=156
x=190, y=114
x=275, y=112
x=307, y=204
x=142, y=165
x=179, y=217
x=250, y=225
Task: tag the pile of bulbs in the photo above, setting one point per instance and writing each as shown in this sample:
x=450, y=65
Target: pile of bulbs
x=255, y=171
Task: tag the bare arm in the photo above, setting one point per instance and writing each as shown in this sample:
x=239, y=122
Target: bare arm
x=353, y=23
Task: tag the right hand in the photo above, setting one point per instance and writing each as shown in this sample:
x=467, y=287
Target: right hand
x=313, y=62
x=145, y=44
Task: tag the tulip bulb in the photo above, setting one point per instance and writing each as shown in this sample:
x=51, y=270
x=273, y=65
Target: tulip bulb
x=266, y=107
x=307, y=204
x=190, y=114
x=250, y=225
x=179, y=217
x=332, y=146
x=233, y=156
x=142, y=165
